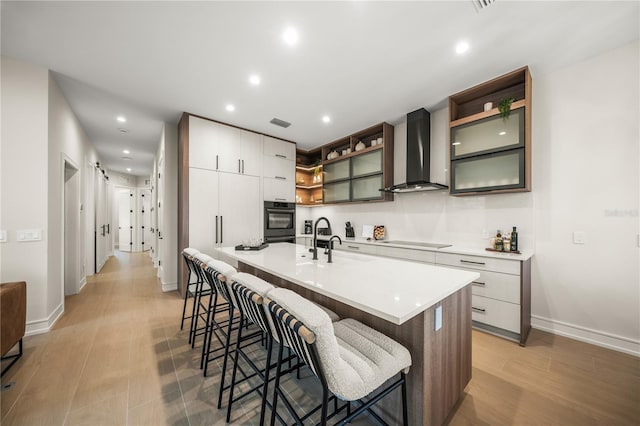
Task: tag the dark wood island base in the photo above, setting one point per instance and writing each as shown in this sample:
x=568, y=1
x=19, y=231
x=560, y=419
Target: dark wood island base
x=441, y=359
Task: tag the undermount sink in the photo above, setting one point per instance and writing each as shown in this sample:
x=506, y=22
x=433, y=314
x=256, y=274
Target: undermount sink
x=417, y=243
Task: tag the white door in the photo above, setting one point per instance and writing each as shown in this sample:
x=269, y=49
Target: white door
x=101, y=221
x=240, y=208
x=145, y=219
x=251, y=153
x=204, y=218
x=125, y=223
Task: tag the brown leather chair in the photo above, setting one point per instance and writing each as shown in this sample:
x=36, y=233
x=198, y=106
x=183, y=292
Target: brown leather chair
x=13, y=317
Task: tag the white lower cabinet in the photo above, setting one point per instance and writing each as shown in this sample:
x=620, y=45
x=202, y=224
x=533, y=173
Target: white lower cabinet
x=496, y=313
x=501, y=301
x=224, y=209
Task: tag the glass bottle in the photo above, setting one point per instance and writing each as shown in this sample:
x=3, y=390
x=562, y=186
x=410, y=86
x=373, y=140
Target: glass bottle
x=499, y=241
x=514, y=239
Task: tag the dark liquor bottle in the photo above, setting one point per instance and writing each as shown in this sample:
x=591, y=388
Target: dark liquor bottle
x=514, y=239
x=499, y=241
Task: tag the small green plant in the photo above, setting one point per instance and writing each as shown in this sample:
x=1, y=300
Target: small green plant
x=505, y=107
x=316, y=170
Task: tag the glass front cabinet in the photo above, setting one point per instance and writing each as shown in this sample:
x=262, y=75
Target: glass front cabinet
x=490, y=153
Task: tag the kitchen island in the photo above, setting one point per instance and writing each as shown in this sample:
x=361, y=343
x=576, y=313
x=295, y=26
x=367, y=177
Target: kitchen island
x=407, y=301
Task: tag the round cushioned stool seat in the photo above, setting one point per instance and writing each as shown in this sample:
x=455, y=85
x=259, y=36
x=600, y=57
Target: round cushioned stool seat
x=368, y=358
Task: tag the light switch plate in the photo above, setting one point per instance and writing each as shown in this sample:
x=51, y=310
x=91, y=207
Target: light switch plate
x=438, y=319
x=23, y=235
x=3, y=236
x=579, y=237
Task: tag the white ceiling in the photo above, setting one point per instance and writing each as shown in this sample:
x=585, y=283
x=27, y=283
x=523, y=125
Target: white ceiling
x=359, y=62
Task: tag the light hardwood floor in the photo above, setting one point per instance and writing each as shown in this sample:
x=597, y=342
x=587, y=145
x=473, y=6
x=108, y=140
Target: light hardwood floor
x=117, y=356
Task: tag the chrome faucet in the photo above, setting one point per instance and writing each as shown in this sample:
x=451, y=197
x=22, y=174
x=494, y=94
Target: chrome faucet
x=315, y=235
x=331, y=246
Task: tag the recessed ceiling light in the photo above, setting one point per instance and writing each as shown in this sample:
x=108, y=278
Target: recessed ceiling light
x=128, y=169
x=126, y=151
x=502, y=133
x=254, y=79
x=326, y=119
x=230, y=107
x=462, y=47
x=123, y=130
x=121, y=119
x=290, y=36
x=456, y=143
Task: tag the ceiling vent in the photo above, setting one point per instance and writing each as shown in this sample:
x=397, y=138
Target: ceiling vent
x=481, y=4
x=280, y=123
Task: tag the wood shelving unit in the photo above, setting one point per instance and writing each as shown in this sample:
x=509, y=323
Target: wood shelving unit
x=308, y=177
x=467, y=109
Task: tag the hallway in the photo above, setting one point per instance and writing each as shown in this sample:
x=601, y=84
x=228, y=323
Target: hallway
x=115, y=357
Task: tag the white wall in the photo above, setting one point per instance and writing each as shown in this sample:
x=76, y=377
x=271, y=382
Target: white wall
x=39, y=131
x=24, y=176
x=168, y=196
x=67, y=140
x=585, y=178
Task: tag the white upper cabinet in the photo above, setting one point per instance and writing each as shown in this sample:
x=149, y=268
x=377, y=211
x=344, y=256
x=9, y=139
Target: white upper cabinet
x=203, y=150
x=279, y=148
x=277, y=168
x=229, y=142
x=251, y=153
x=279, y=190
x=216, y=146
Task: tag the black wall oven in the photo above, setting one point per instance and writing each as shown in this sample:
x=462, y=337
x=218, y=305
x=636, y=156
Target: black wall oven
x=279, y=222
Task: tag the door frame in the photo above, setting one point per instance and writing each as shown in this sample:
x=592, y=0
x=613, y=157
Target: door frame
x=64, y=159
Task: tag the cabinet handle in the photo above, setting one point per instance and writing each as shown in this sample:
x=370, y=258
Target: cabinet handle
x=281, y=156
x=221, y=229
x=354, y=247
x=239, y=169
x=216, y=229
x=242, y=166
x=216, y=161
x=478, y=283
x=480, y=310
x=281, y=178
x=470, y=261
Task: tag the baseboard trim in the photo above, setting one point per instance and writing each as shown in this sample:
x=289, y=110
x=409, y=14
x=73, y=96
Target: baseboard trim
x=584, y=334
x=83, y=282
x=169, y=286
x=45, y=324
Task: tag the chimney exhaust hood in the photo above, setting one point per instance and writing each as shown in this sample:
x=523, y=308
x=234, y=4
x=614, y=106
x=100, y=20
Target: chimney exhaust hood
x=418, y=155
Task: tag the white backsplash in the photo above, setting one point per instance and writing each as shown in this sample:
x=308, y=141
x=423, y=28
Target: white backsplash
x=435, y=217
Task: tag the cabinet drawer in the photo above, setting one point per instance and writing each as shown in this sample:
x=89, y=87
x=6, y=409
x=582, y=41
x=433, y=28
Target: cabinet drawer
x=278, y=148
x=356, y=247
x=278, y=168
x=477, y=262
x=497, y=313
x=279, y=190
x=408, y=254
x=505, y=287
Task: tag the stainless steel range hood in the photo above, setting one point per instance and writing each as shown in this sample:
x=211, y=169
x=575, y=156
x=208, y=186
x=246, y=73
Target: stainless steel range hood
x=418, y=155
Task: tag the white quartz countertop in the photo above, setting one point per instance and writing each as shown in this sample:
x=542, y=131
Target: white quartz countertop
x=391, y=289
x=456, y=249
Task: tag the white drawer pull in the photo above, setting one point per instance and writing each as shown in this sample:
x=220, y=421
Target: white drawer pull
x=469, y=261
x=480, y=310
x=478, y=283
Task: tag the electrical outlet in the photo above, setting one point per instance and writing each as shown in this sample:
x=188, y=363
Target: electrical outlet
x=3, y=236
x=438, y=318
x=579, y=237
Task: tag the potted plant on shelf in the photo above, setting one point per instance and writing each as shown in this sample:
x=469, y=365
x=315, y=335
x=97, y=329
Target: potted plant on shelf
x=505, y=107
